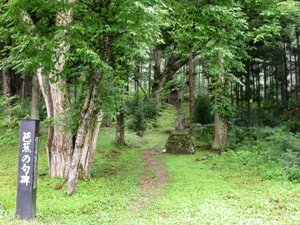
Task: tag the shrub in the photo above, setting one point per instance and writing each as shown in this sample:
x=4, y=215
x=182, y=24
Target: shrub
x=203, y=111
x=266, y=115
x=275, y=146
x=203, y=133
x=13, y=110
x=141, y=114
x=292, y=116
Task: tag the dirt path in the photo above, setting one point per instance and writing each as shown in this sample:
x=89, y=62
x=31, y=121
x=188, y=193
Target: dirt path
x=154, y=178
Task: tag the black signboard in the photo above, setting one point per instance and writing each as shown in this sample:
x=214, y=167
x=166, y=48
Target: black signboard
x=27, y=169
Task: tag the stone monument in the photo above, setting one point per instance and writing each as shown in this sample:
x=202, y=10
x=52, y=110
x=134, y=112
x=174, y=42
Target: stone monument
x=179, y=141
x=27, y=169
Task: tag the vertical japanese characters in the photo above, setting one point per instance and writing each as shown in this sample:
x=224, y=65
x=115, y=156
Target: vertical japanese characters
x=25, y=159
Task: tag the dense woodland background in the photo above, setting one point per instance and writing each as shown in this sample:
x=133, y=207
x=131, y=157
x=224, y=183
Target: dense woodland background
x=76, y=65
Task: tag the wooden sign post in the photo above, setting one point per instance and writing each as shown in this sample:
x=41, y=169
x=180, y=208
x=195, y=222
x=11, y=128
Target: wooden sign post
x=27, y=169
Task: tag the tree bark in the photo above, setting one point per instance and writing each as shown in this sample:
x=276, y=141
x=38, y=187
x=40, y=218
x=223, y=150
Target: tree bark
x=203, y=86
x=296, y=74
x=298, y=61
x=6, y=75
x=173, y=64
x=220, y=140
x=88, y=112
x=258, y=96
x=68, y=157
x=220, y=136
x=157, y=53
x=248, y=94
x=150, y=79
x=276, y=78
x=284, y=79
x=237, y=92
x=120, y=128
x=265, y=80
x=61, y=147
x=35, y=98
x=192, y=85
x=59, y=141
x=89, y=148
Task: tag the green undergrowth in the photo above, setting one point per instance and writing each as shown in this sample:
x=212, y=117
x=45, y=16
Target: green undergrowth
x=275, y=152
x=204, y=188
x=207, y=188
x=101, y=200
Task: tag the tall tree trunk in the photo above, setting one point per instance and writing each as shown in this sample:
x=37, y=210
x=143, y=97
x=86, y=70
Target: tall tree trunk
x=258, y=86
x=150, y=79
x=205, y=79
x=120, y=128
x=62, y=141
x=89, y=147
x=172, y=65
x=35, y=98
x=137, y=76
x=285, y=79
x=298, y=61
x=6, y=88
x=6, y=75
x=265, y=81
x=291, y=72
x=192, y=86
x=296, y=74
x=237, y=92
x=88, y=112
x=220, y=139
x=60, y=147
x=220, y=136
x=23, y=88
x=59, y=141
x=276, y=78
x=157, y=74
x=258, y=90
x=242, y=92
x=248, y=94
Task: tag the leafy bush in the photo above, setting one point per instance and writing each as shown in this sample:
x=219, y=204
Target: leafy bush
x=13, y=111
x=269, y=114
x=142, y=114
x=203, y=133
x=275, y=146
x=238, y=134
x=203, y=111
x=285, y=147
x=292, y=116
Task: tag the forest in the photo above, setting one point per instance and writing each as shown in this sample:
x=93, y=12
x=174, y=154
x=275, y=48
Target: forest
x=126, y=90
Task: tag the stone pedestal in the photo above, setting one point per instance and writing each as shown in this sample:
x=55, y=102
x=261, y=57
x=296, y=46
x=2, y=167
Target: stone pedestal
x=179, y=143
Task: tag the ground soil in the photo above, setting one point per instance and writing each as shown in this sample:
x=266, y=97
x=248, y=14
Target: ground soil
x=153, y=179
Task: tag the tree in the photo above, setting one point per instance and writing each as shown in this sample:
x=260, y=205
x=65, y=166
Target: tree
x=225, y=25
x=192, y=86
x=35, y=98
x=76, y=36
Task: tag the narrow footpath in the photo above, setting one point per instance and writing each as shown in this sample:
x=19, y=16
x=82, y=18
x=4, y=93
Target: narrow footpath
x=154, y=178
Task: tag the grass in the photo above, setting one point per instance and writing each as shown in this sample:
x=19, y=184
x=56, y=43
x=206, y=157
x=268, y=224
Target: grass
x=220, y=191
x=204, y=188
